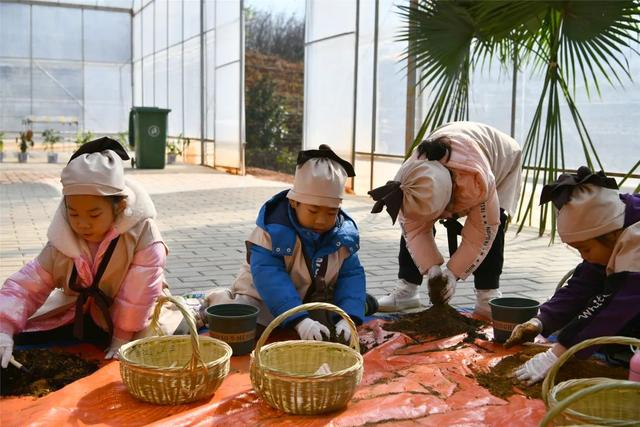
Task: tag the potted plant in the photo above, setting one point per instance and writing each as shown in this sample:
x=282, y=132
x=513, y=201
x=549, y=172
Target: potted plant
x=26, y=141
x=83, y=138
x=51, y=136
x=1, y=146
x=172, y=152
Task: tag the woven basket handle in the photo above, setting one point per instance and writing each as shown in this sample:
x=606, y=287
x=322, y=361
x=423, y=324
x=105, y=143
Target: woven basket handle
x=566, y=402
x=354, y=342
x=549, y=381
x=196, y=357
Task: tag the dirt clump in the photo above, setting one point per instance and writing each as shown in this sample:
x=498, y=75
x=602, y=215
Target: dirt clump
x=500, y=383
x=436, y=286
x=50, y=371
x=438, y=321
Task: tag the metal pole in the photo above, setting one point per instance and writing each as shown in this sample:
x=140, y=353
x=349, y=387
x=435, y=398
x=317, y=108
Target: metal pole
x=202, y=85
x=241, y=84
x=83, y=105
x=410, y=111
x=355, y=91
x=514, y=89
x=374, y=110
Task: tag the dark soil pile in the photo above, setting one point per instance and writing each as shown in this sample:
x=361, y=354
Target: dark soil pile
x=50, y=371
x=500, y=384
x=439, y=321
x=436, y=285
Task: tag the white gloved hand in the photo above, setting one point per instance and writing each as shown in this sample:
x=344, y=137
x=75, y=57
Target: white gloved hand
x=434, y=271
x=112, y=350
x=450, y=290
x=343, y=327
x=310, y=329
x=6, y=349
x=536, y=368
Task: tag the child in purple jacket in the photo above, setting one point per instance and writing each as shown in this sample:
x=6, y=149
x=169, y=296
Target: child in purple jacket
x=602, y=298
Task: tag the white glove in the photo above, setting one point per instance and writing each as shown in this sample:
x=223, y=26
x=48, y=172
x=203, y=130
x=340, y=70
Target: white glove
x=434, y=271
x=448, y=292
x=310, y=329
x=343, y=327
x=6, y=349
x=112, y=350
x=536, y=368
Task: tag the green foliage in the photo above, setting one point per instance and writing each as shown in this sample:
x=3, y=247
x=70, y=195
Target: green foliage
x=173, y=148
x=564, y=40
x=277, y=35
x=83, y=137
x=26, y=140
x=1, y=141
x=50, y=136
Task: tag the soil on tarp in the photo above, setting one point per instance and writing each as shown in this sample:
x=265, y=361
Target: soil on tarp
x=50, y=371
x=438, y=321
x=500, y=383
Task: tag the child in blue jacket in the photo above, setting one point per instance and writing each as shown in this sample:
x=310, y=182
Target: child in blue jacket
x=304, y=249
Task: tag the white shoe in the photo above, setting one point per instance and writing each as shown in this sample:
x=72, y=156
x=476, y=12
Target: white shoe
x=483, y=296
x=404, y=296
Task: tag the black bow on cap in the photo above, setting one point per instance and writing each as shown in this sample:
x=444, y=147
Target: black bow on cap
x=559, y=192
x=390, y=195
x=324, y=151
x=99, y=145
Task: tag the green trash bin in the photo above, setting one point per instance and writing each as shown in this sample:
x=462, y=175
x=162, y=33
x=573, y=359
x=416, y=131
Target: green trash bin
x=148, y=135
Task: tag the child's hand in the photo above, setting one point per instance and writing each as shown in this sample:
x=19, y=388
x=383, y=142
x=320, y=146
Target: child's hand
x=450, y=289
x=310, y=329
x=536, y=368
x=524, y=332
x=342, y=327
x=6, y=349
x=112, y=351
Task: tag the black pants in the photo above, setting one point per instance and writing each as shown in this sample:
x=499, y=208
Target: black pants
x=92, y=334
x=486, y=276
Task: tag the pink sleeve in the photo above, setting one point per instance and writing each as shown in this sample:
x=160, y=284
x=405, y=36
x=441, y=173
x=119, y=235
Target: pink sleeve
x=478, y=234
x=421, y=244
x=22, y=294
x=142, y=285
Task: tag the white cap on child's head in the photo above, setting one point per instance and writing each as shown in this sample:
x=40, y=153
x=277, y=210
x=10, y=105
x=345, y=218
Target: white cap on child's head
x=426, y=188
x=590, y=212
x=96, y=174
x=319, y=181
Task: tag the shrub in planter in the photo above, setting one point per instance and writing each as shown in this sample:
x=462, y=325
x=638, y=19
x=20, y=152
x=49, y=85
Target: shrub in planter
x=26, y=141
x=51, y=136
x=173, y=151
x=1, y=146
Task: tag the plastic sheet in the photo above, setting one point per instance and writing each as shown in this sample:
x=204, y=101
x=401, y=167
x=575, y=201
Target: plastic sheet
x=405, y=383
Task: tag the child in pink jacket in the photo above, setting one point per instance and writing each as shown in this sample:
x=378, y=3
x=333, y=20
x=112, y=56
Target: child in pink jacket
x=463, y=169
x=105, y=258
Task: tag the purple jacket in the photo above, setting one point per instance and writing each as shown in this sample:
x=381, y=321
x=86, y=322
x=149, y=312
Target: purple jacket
x=622, y=312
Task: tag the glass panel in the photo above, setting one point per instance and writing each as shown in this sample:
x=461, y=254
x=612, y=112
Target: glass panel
x=147, y=30
x=227, y=122
x=490, y=96
x=191, y=18
x=106, y=101
x=161, y=25
x=175, y=22
x=57, y=80
x=364, y=107
x=210, y=85
x=127, y=4
x=391, y=83
x=15, y=93
x=209, y=14
x=137, y=36
x=137, y=5
x=329, y=94
x=107, y=36
x=228, y=32
x=160, y=80
x=328, y=17
x=14, y=30
x=192, y=88
x=147, y=81
x=137, y=83
x=175, y=90
x=57, y=32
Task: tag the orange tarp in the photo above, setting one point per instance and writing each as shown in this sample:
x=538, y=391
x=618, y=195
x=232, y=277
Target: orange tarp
x=404, y=383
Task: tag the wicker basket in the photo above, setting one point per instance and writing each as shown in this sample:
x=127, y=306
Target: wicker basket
x=284, y=373
x=598, y=401
x=171, y=370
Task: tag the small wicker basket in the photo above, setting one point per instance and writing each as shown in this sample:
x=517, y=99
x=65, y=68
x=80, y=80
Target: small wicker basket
x=595, y=401
x=285, y=374
x=171, y=370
